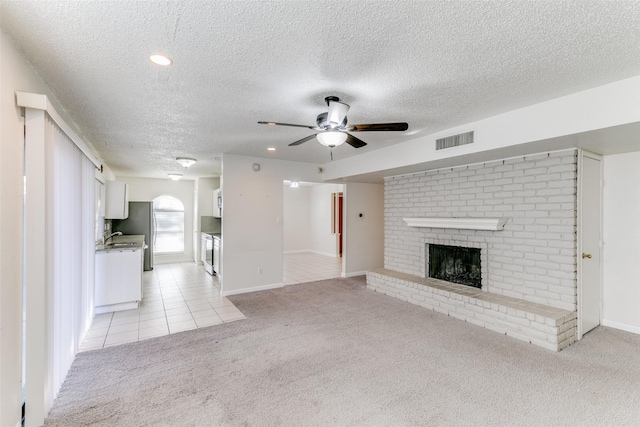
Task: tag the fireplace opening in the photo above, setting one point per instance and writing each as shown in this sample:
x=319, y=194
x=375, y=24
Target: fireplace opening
x=455, y=264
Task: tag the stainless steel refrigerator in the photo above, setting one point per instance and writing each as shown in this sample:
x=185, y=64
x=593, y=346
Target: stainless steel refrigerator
x=141, y=221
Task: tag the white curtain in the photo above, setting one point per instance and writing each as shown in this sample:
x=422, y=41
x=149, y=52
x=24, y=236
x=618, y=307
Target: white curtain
x=71, y=249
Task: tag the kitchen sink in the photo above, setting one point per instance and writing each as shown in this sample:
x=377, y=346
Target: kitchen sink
x=120, y=244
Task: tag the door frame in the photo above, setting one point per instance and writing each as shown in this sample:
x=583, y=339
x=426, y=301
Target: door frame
x=579, y=239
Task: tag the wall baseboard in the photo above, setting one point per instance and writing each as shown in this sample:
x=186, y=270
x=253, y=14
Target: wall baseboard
x=323, y=253
x=254, y=289
x=302, y=251
x=621, y=326
x=354, y=274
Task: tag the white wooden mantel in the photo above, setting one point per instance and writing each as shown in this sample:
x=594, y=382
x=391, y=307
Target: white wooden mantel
x=491, y=224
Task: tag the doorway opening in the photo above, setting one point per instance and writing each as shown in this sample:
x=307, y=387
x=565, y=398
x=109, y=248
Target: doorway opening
x=312, y=231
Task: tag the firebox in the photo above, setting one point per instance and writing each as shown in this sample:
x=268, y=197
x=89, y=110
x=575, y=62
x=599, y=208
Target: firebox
x=455, y=264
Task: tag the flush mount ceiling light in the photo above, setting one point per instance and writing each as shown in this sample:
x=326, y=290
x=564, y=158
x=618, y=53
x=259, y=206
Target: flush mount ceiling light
x=185, y=161
x=331, y=138
x=294, y=184
x=271, y=149
x=160, y=59
x=175, y=176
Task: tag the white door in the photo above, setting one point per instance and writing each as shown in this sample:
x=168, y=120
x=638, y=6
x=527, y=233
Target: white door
x=589, y=242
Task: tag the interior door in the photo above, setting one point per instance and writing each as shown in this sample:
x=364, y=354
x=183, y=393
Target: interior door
x=589, y=242
x=336, y=219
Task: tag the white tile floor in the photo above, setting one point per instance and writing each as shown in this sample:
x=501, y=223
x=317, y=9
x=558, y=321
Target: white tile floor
x=177, y=297
x=180, y=297
x=308, y=267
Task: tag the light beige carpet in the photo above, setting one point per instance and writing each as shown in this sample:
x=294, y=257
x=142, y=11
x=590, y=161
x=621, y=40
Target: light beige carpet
x=332, y=353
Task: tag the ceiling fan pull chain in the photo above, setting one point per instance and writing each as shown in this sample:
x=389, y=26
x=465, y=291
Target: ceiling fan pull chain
x=331, y=150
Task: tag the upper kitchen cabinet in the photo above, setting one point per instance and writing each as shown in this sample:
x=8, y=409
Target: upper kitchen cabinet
x=217, y=203
x=100, y=198
x=117, y=203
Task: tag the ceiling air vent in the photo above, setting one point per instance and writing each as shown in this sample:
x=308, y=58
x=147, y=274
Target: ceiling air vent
x=454, y=141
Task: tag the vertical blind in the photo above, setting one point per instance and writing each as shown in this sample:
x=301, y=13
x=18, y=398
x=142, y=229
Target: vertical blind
x=70, y=206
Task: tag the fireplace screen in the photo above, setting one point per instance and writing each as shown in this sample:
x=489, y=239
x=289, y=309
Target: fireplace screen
x=455, y=264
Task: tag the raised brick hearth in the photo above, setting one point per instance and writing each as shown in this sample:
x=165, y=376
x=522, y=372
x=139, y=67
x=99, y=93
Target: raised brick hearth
x=548, y=327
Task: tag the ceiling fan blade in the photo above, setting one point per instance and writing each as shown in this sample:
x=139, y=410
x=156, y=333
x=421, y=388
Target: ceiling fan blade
x=379, y=127
x=286, y=124
x=337, y=113
x=355, y=142
x=300, y=141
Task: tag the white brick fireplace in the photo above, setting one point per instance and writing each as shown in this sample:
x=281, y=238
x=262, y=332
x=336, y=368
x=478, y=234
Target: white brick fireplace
x=528, y=267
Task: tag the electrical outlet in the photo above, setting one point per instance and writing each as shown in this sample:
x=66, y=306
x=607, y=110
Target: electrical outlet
x=260, y=270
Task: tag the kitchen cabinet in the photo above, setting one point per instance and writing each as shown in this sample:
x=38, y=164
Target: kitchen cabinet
x=100, y=198
x=118, y=284
x=217, y=203
x=117, y=200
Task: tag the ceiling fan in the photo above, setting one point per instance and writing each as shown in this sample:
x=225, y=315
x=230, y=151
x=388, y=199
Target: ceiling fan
x=333, y=129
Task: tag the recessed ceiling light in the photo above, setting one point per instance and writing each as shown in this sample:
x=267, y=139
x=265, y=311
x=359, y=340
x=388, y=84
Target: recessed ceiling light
x=271, y=149
x=175, y=176
x=159, y=59
x=185, y=161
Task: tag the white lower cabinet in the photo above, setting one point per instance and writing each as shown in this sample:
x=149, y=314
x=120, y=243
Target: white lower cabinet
x=118, y=279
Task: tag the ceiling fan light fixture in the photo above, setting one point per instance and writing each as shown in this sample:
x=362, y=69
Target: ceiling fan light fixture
x=185, y=162
x=337, y=112
x=331, y=138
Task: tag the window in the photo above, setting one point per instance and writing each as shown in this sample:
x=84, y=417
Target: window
x=169, y=214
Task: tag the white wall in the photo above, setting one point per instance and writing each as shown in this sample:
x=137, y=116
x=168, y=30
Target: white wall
x=307, y=219
x=16, y=74
x=621, y=252
x=322, y=240
x=147, y=189
x=364, y=235
x=205, y=196
x=297, y=223
x=605, y=106
x=252, y=227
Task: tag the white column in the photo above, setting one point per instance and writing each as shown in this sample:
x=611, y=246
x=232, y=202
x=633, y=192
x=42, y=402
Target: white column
x=35, y=268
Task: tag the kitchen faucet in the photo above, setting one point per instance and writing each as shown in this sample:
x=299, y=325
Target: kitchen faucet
x=104, y=239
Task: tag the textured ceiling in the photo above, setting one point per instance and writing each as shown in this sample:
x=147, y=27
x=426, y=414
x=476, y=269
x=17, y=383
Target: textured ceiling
x=432, y=64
